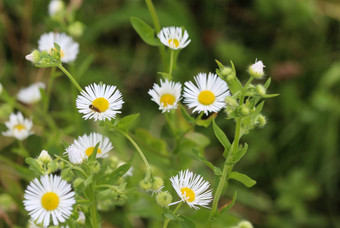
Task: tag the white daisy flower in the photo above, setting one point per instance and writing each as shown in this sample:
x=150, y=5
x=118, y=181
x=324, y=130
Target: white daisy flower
x=68, y=48
x=192, y=189
x=31, y=224
x=83, y=147
x=55, y=7
x=18, y=126
x=167, y=95
x=209, y=94
x=31, y=94
x=174, y=38
x=49, y=196
x=99, y=102
x=256, y=70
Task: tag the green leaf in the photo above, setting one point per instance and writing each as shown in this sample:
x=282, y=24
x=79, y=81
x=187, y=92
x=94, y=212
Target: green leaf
x=205, y=122
x=243, y=178
x=125, y=123
x=199, y=139
x=187, y=116
x=93, y=156
x=270, y=95
x=266, y=85
x=113, y=177
x=199, y=157
x=186, y=222
x=229, y=205
x=34, y=166
x=240, y=153
x=145, y=31
x=221, y=136
x=170, y=214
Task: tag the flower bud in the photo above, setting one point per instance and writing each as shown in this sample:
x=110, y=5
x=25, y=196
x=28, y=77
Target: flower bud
x=244, y=110
x=34, y=57
x=244, y=224
x=67, y=174
x=81, y=218
x=94, y=166
x=261, y=120
x=44, y=157
x=256, y=70
x=164, y=199
x=77, y=182
x=52, y=166
x=157, y=184
x=231, y=101
x=230, y=110
x=261, y=90
x=76, y=29
x=145, y=184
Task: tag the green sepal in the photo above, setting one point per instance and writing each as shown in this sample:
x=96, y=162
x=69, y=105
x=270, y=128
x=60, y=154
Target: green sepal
x=199, y=157
x=243, y=178
x=34, y=166
x=221, y=136
x=126, y=122
x=186, y=222
x=145, y=31
x=229, y=205
x=93, y=156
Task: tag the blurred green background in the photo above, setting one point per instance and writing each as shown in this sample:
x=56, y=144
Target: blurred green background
x=294, y=158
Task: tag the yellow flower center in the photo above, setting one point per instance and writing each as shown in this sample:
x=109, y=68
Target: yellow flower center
x=206, y=97
x=89, y=151
x=50, y=201
x=167, y=99
x=173, y=43
x=20, y=127
x=188, y=193
x=54, y=49
x=100, y=105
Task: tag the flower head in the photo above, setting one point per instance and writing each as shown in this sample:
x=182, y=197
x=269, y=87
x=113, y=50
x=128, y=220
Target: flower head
x=31, y=94
x=44, y=157
x=49, y=196
x=167, y=95
x=192, y=189
x=68, y=48
x=174, y=38
x=18, y=126
x=209, y=94
x=256, y=70
x=83, y=147
x=55, y=7
x=99, y=102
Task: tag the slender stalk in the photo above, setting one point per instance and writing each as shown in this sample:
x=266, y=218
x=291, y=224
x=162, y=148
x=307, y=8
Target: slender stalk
x=247, y=84
x=171, y=64
x=22, y=149
x=226, y=170
x=157, y=26
x=93, y=208
x=137, y=148
x=70, y=77
x=166, y=222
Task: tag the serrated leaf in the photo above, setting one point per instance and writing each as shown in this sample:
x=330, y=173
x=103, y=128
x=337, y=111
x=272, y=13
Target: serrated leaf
x=186, y=222
x=243, y=178
x=126, y=122
x=199, y=157
x=34, y=166
x=221, y=136
x=229, y=205
x=145, y=31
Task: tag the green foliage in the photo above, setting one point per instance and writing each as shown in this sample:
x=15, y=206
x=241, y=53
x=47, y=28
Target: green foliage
x=145, y=31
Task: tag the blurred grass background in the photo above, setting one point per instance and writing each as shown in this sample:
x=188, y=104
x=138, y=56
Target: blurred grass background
x=294, y=158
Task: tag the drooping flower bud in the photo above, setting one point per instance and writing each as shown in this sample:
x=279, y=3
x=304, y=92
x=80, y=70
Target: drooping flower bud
x=34, y=57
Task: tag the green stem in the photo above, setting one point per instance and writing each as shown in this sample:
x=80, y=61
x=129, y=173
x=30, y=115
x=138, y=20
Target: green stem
x=166, y=222
x=171, y=64
x=247, y=84
x=70, y=77
x=23, y=149
x=137, y=148
x=226, y=170
x=93, y=208
x=157, y=26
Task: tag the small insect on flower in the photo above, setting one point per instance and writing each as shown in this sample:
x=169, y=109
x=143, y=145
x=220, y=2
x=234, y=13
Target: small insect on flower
x=192, y=189
x=18, y=126
x=68, y=48
x=99, y=102
x=31, y=94
x=49, y=197
x=83, y=147
x=167, y=95
x=209, y=94
x=174, y=38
